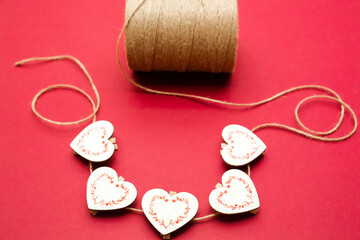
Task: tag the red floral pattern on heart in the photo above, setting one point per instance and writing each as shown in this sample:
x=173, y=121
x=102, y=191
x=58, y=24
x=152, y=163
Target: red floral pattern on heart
x=81, y=143
x=93, y=143
x=252, y=141
x=105, y=191
x=172, y=222
x=242, y=146
x=166, y=212
x=97, y=200
x=236, y=194
x=245, y=203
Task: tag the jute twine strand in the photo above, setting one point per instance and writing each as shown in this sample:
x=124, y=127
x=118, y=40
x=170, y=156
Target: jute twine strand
x=72, y=87
x=57, y=86
x=315, y=135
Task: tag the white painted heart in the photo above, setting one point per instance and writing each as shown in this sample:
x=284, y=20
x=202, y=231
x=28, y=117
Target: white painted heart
x=242, y=147
x=237, y=195
x=106, y=192
x=93, y=142
x=168, y=213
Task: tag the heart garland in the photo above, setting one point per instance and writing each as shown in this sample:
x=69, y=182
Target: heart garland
x=168, y=212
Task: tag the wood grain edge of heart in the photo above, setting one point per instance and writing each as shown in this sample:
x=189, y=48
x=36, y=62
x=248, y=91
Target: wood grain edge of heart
x=217, y=197
x=247, y=157
x=101, y=157
x=128, y=190
x=177, y=221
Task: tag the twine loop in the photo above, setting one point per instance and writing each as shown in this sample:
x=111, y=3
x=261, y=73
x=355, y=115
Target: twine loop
x=66, y=86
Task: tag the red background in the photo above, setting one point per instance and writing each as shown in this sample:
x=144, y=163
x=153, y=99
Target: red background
x=308, y=189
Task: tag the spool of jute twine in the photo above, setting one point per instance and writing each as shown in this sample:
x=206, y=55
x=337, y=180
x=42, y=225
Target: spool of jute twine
x=186, y=35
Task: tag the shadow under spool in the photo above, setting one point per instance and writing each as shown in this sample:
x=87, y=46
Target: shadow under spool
x=181, y=35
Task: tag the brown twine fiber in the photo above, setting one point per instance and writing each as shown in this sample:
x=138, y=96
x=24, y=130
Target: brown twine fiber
x=315, y=135
x=186, y=35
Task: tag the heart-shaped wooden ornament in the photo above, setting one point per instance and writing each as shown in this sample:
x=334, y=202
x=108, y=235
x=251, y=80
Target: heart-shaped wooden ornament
x=242, y=145
x=105, y=191
x=236, y=195
x=93, y=143
x=168, y=213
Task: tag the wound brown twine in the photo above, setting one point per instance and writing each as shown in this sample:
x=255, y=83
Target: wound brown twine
x=186, y=35
x=316, y=135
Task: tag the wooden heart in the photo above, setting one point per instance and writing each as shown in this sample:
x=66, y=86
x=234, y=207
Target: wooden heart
x=106, y=192
x=93, y=142
x=237, y=194
x=168, y=213
x=242, y=146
